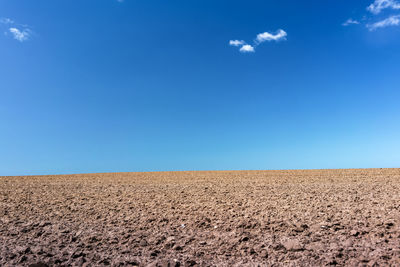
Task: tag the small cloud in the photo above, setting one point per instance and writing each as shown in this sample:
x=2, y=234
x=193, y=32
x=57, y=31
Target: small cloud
x=6, y=21
x=236, y=42
x=379, y=5
x=266, y=36
x=20, y=32
x=351, y=22
x=19, y=35
x=262, y=37
x=391, y=21
x=247, y=49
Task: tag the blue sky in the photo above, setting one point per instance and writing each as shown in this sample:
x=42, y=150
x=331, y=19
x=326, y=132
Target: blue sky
x=133, y=85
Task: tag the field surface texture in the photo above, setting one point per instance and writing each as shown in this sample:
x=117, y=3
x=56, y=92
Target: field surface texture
x=226, y=218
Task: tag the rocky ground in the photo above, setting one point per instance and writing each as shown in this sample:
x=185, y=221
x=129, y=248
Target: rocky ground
x=238, y=218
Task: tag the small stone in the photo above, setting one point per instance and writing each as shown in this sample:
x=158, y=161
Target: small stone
x=298, y=229
x=264, y=254
x=170, y=239
x=292, y=245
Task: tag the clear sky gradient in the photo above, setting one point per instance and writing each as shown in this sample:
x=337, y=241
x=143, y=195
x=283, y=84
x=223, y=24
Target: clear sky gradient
x=151, y=85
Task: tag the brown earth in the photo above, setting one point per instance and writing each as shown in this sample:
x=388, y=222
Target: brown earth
x=229, y=218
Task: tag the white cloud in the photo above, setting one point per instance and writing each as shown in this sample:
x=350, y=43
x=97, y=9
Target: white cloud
x=6, y=21
x=247, y=49
x=380, y=5
x=262, y=37
x=350, y=22
x=20, y=35
x=236, y=42
x=391, y=21
x=266, y=36
x=20, y=32
x=376, y=8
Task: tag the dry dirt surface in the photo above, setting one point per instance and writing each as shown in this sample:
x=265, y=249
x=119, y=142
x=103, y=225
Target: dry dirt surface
x=227, y=218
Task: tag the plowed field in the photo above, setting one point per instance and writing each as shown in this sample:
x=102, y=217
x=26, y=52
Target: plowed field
x=225, y=218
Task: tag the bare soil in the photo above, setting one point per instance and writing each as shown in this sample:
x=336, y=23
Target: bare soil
x=228, y=218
